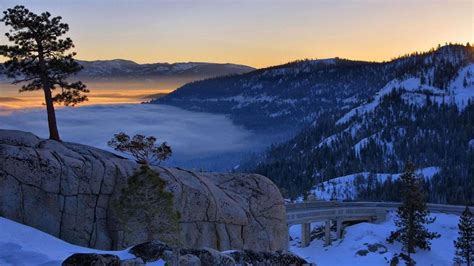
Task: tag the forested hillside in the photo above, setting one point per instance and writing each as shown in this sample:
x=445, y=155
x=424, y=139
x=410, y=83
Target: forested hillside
x=349, y=117
x=425, y=115
x=283, y=98
x=289, y=97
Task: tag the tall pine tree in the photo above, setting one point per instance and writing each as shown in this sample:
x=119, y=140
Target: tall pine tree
x=412, y=216
x=40, y=59
x=465, y=243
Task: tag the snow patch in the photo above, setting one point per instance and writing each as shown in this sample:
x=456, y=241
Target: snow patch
x=471, y=143
x=342, y=188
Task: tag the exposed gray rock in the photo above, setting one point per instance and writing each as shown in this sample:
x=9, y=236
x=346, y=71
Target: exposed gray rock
x=132, y=262
x=65, y=189
x=150, y=251
x=92, y=259
x=209, y=256
x=263, y=258
x=189, y=260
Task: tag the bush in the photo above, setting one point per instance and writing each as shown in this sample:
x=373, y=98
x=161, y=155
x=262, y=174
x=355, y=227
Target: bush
x=141, y=147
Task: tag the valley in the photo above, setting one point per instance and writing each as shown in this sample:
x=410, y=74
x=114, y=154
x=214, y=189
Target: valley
x=236, y=133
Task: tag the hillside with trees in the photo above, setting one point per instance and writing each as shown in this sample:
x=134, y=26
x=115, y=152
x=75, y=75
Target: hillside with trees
x=425, y=115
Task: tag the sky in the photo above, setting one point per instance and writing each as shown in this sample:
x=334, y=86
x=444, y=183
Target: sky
x=258, y=33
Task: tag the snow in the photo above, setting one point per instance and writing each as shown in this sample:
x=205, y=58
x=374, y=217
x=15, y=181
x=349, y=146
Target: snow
x=471, y=143
x=352, y=130
x=409, y=84
x=342, y=188
x=326, y=61
x=343, y=252
x=415, y=93
x=460, y=93
x=24, y=245
x=183, y=66
x=328, y=141
x=359, y=146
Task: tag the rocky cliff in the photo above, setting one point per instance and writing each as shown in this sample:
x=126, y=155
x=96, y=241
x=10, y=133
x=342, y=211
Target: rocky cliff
x=78, y=193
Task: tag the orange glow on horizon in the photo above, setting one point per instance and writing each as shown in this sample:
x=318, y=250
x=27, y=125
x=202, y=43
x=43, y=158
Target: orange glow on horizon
x=101, y=93
x=259, y=33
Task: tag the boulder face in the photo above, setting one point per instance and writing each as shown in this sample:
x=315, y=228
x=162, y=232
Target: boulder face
x=68, y=191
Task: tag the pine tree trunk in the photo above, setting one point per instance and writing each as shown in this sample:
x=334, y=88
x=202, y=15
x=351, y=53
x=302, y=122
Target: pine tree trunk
x=53, y=127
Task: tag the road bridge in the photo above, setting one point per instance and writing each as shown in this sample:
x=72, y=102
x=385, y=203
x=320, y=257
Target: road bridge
x=339, y=212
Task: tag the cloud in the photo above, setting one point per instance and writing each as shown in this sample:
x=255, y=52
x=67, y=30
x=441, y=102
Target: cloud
x=192, y=135
x=9, y=99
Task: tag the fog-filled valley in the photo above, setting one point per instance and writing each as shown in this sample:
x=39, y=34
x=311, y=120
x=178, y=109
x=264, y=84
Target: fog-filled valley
x=231, y=133
x=199, y=141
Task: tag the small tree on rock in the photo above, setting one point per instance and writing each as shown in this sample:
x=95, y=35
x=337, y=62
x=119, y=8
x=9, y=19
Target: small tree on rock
x=465, y=243
x=144, y=149
x=412, y=216
x=144, y=208
x=40, y=59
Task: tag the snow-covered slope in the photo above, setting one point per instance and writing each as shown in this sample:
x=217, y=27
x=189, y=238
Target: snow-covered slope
x=344, y=187
x=459, y=92
x=24, y=245
x=358, y=237
x=419, y=111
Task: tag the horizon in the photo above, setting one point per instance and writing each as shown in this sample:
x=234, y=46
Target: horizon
x=258, y=34
x=298, y=59
x=259, y=132
x=113, y=92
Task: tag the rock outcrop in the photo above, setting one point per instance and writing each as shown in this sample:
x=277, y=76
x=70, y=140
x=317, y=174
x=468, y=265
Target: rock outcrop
x=67, y=190
x=91, y=259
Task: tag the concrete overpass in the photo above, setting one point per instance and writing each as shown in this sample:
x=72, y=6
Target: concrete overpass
x=334, y=211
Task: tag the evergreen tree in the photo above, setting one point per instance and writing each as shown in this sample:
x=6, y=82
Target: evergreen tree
x=412, y=216
x=143, y=148
x=465, y=243
x=39, y=57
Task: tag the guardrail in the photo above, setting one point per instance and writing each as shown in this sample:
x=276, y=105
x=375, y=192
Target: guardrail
x=443, y=208
x=312, y=211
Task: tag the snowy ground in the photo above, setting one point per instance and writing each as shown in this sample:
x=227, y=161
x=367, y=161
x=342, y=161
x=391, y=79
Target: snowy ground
x=358, y=237
x=343, y=187
x=23, y=245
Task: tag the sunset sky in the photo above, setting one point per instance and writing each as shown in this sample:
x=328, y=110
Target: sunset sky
x=257, y=33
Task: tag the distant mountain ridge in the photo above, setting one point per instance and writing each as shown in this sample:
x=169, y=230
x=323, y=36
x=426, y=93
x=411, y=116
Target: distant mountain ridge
x=126, y=69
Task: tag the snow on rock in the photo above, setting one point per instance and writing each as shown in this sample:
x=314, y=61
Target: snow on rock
x=359, y=236
x=343, y=187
